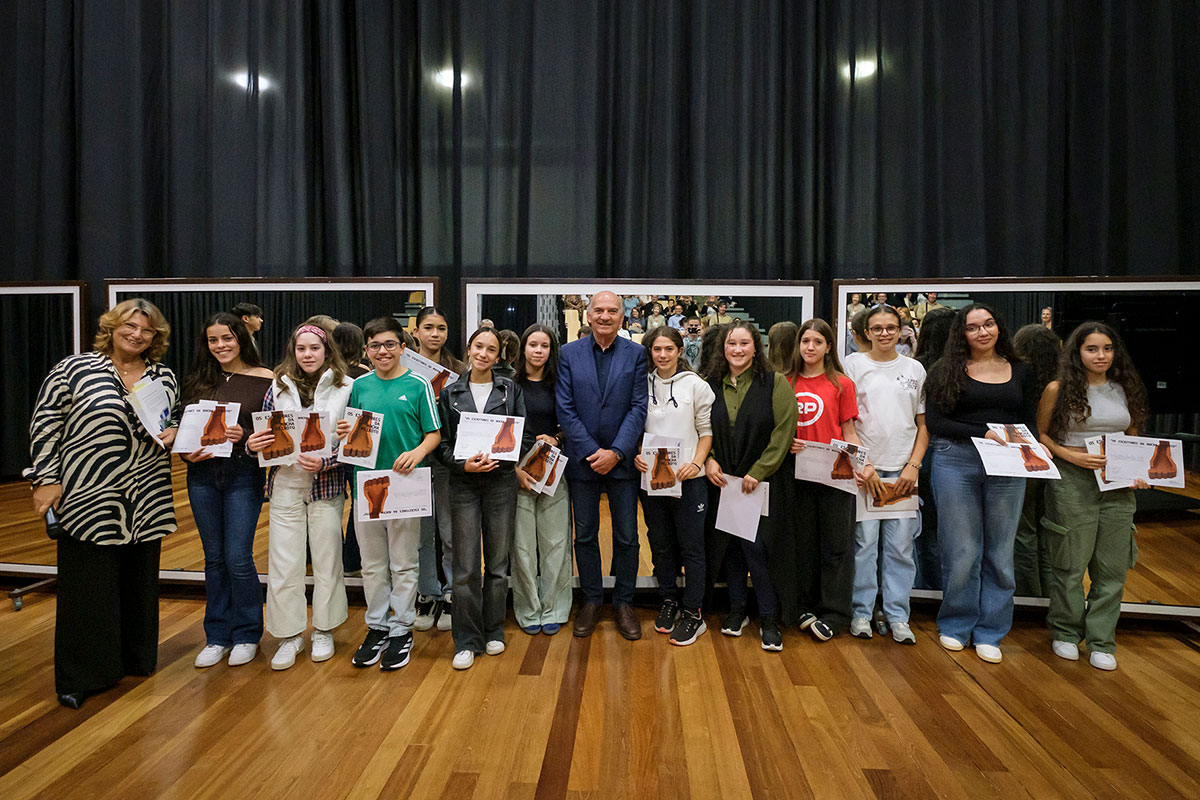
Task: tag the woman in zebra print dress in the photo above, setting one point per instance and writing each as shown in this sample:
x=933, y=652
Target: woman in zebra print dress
x=109, y=483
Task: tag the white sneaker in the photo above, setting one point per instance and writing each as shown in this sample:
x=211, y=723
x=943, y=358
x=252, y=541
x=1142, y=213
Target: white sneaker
x=463, y=659
x=860, y=627
x=1067, y=650
x=494, y=648
x=285, y=656
x=211, y=655
x=1105, y=661
x=989, y=653
x=322, y=646
x=902, y=634
x=243, y=653
x=950, y=643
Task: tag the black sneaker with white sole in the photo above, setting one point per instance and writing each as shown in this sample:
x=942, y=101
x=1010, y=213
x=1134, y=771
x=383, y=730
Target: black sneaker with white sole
x=689, y=628
x=820, y=630
x=806, y=620
x=395, y=654
x=371, y=648
x=667, y=614
x=772, y=639
x=734, y=622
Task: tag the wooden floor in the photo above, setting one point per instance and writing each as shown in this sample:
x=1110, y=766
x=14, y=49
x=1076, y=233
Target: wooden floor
x=605, y=718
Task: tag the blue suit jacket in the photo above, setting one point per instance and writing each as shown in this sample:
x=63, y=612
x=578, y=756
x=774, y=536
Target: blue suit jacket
x=594, y=417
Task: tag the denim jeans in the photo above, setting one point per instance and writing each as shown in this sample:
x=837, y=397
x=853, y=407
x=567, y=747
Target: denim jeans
x=675, y=528
x=742, y=557
x=482, y=510
x=894, y=567
x=436, y=530
x=622, y=505
x=226, y=496
x=977, y=525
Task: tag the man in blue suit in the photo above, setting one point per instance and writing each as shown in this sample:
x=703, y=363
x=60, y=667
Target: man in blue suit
x=601, y=399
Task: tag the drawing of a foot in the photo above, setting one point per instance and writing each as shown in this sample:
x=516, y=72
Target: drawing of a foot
x=359, y=443
x=890, y=496
x=1033, y=462
x=281, y=445
x=843, y=469
x=662, y=476
x=376, y=491
x=439, y=382
x=1162, y=466
x=553, y=472
x=535, y=468
x=1104, y=469
x=1013, y=436
x=214, y=429
x=505, y=441
x=313, y=437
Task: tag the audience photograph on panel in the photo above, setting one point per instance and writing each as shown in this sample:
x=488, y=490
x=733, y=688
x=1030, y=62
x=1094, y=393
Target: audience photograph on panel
x=777, y=483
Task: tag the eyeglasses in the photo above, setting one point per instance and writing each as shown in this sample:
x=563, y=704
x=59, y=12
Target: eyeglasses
x=880, y=330
x=137, y=329
x=971, y=330
x=389, y=345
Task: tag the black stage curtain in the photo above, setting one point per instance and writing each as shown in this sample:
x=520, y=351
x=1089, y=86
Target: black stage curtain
x=755, y=140
x=39, y=335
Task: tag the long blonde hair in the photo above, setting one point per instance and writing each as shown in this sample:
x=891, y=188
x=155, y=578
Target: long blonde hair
x=306, y=384
x=119, y=314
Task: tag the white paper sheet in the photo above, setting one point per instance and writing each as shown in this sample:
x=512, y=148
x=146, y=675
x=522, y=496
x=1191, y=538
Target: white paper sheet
x=384, y=494
x=1015, y=461
x=201, y=424
x=148, y=399
x=1095, y=445
x=285, y=448
x=494, y=435
x=542, y=463
x=438, y=376
x=818, y=463
x=1156, y=460
x=363, y=440
x=556, y=475
x=737, y=512
x=1014, y=434
x=866, y=508
x=663, y=454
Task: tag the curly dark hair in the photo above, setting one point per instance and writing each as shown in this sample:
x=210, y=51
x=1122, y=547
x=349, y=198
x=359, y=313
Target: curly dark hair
x=948, y=376
x=1072, y=405
x=718, y=368
x=1038, y=346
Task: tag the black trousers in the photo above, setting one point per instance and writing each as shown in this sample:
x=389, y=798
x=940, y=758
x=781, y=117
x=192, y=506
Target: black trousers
x=825, y=549
x=107, y=621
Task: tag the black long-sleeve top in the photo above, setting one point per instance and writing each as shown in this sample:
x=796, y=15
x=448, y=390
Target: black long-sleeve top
x=1014, y=401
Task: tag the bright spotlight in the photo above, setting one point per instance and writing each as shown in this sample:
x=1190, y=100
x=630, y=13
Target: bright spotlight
x=445, y=78
x=863, y=68
x=242, y=81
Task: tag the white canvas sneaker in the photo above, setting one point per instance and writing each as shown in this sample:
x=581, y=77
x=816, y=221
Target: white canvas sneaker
x=285, y=656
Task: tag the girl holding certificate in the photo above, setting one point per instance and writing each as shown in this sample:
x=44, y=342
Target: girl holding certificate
x=680, y=408
x=891, y=425
x=307, y=499
x=483, y=498
x=1098, y=392
x=977, y=380
x=827, y=407
x=753, y=419
x=226, y=494
x=541, y=555
x=433, y=590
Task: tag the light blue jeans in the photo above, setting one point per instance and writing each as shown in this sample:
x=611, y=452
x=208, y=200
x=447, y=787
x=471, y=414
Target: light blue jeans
x=894, y=568
x=977, y=526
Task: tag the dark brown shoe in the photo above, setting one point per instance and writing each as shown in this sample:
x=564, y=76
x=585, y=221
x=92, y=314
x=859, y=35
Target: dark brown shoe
x=627, y=622
x=586, y=619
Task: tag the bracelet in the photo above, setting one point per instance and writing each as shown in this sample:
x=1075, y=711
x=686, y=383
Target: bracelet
x=914, y=466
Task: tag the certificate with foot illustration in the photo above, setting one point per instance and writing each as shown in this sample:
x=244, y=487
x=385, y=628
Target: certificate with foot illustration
x=891, y=505
x=1015, y=460
x=543, y=464
x=284, y=447
x=205, y=427
x=362, y=444
x=1156, y=460
x=832, y=464
x=496, y=436
x=439, y=377
x=1096, y=446
x=664, y=454
x=381, y=494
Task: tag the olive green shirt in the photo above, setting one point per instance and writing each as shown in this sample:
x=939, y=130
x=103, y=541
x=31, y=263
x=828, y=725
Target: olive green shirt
x=783, y=406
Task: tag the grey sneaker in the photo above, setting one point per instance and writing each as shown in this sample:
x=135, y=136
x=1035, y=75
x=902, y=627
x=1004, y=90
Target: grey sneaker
x=902, y=634
x=860, y=627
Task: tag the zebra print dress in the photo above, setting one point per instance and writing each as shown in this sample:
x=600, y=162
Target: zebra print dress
x=84, y=435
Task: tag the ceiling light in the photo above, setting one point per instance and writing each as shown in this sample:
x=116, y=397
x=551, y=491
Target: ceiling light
x=863, y=68
x=243, y=81
x=445, y=78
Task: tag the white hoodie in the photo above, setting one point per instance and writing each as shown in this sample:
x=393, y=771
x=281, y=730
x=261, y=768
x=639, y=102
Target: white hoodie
x=688, y=417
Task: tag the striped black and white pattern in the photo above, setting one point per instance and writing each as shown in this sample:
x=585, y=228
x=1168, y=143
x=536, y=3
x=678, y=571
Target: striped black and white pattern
x=116, y=481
